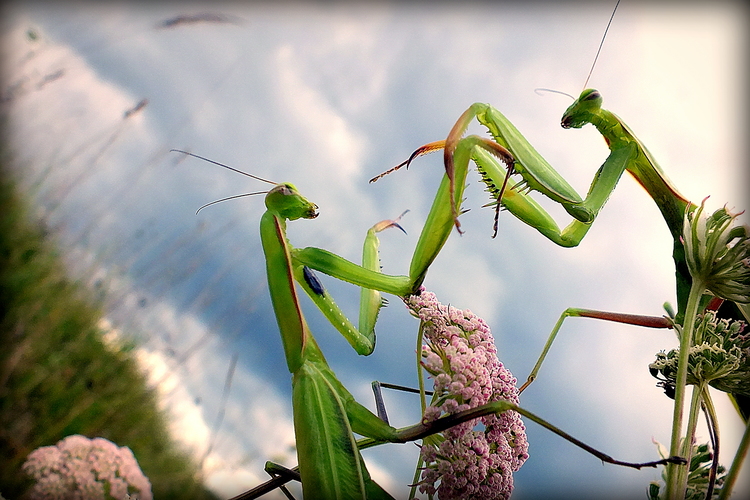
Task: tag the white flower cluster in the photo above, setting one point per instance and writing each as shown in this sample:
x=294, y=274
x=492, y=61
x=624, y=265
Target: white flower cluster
x=78, y=468
x=475, y=459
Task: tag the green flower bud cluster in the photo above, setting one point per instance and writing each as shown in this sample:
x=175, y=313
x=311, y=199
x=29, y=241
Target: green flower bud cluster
x=718, y=357
x=718, y=253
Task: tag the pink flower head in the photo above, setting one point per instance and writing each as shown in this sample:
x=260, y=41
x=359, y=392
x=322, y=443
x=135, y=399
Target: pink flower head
x=86, y=469
x=477, y=458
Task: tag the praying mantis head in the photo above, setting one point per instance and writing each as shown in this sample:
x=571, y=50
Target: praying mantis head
x=581, y=112
x=285, y=201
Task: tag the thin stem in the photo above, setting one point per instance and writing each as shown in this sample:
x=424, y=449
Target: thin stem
x=713, y=430
x=687, y=442
x=415, y=479
x=676, y=491
x=422, y=402
x=268, y=486
x=420, y=375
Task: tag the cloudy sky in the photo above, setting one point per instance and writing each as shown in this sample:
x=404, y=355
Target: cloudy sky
x=326, y=96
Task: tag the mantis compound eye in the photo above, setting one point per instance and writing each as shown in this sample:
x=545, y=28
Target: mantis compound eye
x=594, y=94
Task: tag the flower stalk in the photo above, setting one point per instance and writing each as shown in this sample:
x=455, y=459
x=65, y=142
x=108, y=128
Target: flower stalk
x=676, y=473
x=734, y=469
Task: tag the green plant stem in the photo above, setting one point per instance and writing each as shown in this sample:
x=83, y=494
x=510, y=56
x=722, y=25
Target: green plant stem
x=415, y=480
x=734, y=469
x=677, y=474
x=420, y=378
x=687, y=443
x=420, y=373
x=712, y=420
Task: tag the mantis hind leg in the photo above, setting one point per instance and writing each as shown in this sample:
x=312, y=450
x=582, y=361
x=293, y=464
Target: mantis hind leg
x=630, y=319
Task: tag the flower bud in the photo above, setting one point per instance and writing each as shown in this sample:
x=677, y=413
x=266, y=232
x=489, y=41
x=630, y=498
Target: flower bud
x=718, y=253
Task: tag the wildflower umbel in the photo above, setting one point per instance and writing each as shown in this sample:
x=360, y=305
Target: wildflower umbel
x=718, y=253
x=86, y=469
x=720, y=356
x=459, y=353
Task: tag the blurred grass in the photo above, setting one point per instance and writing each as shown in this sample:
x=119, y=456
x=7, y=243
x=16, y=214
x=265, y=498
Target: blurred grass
x=58, y=378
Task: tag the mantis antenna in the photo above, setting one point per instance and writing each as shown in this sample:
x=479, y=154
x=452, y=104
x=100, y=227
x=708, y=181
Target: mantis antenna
x=229, y=198
x=601, y=44
x=232, y=169
x=225, y=166
x=539, y=91
x=593, y=65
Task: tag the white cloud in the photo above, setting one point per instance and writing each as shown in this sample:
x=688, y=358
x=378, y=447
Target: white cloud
x=338, y=146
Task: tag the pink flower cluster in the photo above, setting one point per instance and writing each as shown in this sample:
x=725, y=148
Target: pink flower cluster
x=475, y=459
x=78, y=468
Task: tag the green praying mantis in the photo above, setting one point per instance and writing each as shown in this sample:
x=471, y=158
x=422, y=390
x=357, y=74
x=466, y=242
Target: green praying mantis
x=326, y=416
x=626, y=153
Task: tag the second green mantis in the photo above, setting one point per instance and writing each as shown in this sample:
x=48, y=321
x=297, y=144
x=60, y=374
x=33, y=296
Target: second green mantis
x=627, y=152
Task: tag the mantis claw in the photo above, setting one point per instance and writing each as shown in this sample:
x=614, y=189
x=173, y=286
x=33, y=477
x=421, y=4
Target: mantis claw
x=385, y=224
x=420, y=151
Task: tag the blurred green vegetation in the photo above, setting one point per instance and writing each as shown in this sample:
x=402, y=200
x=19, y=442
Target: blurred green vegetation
x=57, y=376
